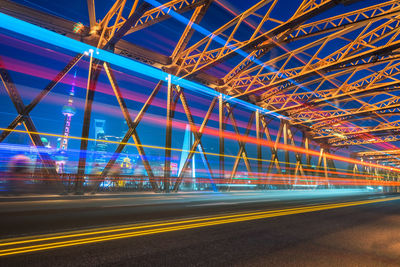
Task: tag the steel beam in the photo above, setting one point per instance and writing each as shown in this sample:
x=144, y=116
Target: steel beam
x=274, y=150
x=287, y=158
x=196, y=142
x=221, y=119
x=94, y=72
x=241, y=143
x=206, y=56
x=168, y=133
x=259, y=147
x=197, y=16
x=92, y=13
x=132, y=127
x=197, y=133
x=242, y=151
x=297, y=154
x=26, y=120
x=159, y=14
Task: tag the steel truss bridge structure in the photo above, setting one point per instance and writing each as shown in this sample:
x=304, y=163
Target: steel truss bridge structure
x=329, y=71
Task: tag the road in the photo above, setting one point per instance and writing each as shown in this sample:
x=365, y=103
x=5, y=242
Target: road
x=280, y=228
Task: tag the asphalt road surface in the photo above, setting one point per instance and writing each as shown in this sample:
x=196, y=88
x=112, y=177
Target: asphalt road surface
x=292, y=228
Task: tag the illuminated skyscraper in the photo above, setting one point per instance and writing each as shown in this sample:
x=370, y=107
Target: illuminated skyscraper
x=68, y=111
x=100, y=147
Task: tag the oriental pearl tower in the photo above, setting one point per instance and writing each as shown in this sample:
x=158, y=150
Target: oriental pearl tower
x=68, y=111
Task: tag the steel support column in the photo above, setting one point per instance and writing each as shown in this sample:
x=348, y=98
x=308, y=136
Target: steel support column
x=287, y=158
x=168, y=132
x=221, y=119
x=94, y=72
x=326, y=169
x=320, y=160
x=308, y=157
x=259, y=150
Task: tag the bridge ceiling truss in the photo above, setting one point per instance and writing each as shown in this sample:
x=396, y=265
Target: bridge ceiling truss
x=331, y=67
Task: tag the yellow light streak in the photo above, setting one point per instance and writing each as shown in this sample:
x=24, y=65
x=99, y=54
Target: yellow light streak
x=163, y=227
x=154, y=147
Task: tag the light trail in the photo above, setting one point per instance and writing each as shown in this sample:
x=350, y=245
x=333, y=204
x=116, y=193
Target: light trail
x=39, y=71
x=32, y=31
x=25, y=149
x=233, y=136
x=74, y=238
x=270, y=179
x=335, y=171
x=29, y=30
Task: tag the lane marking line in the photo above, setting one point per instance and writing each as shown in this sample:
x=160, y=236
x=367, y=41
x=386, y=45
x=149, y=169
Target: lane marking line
x=112, y=233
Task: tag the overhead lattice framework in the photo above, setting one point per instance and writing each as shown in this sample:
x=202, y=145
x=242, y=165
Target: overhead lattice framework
x=331, y=67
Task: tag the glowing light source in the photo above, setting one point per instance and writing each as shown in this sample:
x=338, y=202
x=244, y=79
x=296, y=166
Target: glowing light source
x=341, y=136
x=78, y=27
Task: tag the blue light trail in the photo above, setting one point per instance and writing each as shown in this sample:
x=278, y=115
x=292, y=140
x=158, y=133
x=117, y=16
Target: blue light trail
x=21, y=27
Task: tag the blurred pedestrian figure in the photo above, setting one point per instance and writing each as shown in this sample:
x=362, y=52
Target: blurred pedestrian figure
x=19, y=169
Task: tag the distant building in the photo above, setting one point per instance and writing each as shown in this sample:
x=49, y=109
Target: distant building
x=68, y=111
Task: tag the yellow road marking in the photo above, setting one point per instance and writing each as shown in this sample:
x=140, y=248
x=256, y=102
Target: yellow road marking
x=29, y=244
